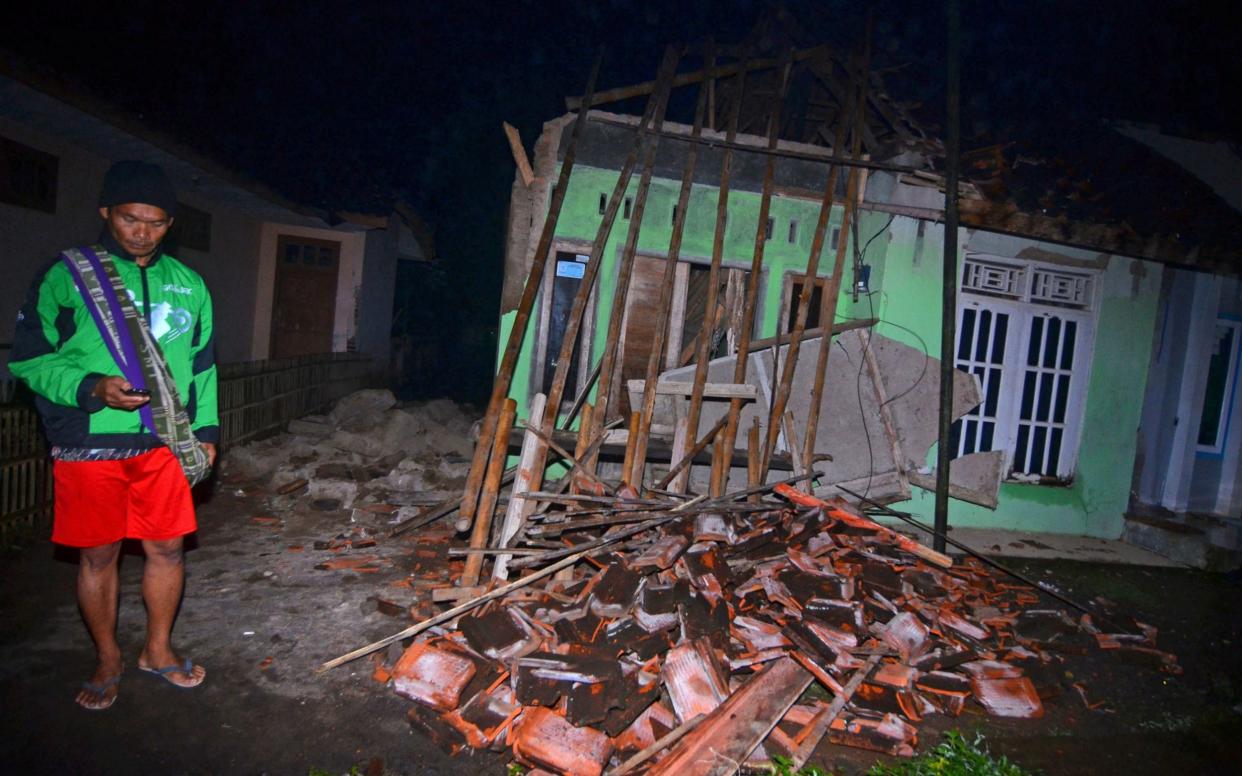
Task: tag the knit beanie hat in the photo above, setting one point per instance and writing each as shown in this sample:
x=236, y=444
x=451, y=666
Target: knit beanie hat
x=138, y=182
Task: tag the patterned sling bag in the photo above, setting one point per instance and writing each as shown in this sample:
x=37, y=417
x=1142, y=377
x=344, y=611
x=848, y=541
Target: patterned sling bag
x=137, y=354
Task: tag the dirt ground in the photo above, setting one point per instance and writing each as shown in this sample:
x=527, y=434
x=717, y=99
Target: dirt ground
x=260, y=616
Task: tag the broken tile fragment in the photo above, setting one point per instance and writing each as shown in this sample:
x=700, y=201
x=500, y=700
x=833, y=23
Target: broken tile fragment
x=544, y=738
x=890, y=734
x=907, y=634
x=693, y=679
x=432, y=676
x=614, y=594
x=660, y=554
x=1012, y=697
x=500, y=634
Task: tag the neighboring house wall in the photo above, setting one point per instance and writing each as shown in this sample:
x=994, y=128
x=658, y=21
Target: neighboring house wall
x=373, y=314
x=1177, y=472
x=231, y=271
x=30, y=238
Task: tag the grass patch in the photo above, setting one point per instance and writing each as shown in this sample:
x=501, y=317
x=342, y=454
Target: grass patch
x=954, y=756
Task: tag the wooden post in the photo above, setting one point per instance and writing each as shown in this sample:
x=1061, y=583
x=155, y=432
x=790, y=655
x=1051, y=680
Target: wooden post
x=664, y=306
x=948, y=295
x=720, y=470
x=581, y=448
x=684, y=463
x=832, y=292
x=754, y=467
x=546, y=419
x=584, y=437
x=631, y=443
x=710, y=319
x=526, y=474
x=733, y=68
x=781, y=396
x=491, y=492
x=800, y=465
x=614, y=343
x=681, y=441
x=508, y=361
x=756, y=266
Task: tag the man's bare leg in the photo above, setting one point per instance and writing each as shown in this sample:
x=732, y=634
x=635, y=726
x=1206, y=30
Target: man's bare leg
x=163, y=577
x=97, y=598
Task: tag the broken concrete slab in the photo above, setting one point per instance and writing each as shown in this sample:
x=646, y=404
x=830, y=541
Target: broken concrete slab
x=362, y=410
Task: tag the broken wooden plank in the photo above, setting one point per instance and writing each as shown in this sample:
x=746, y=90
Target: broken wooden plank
x=519, y=154
x=688, y=458
x=526, y=474
x=723, y=741
x=661, y=743
x=837, y=328
x=710, y=390
x=575, y=464
x=826, y=717
x=664, y=305
x=534, y=280
x=756, y=267
x=481, y=531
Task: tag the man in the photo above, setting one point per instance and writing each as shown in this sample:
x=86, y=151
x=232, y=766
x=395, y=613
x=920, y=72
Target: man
x=114, y=479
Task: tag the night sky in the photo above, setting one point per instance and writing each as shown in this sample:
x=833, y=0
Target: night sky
x=346, y=105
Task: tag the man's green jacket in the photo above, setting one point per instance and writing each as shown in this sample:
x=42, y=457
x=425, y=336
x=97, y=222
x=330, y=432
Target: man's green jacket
x=59, y=353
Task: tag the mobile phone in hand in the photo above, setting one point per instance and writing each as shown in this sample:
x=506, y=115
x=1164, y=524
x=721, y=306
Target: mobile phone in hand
x=136, y=392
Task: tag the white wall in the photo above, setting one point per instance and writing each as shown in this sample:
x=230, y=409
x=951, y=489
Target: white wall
x=29, y=239
x=230, y=270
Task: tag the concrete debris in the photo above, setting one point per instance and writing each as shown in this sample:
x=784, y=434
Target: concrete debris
x=368, y=451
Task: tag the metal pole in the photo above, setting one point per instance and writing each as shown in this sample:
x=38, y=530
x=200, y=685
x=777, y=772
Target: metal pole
x=948, y=313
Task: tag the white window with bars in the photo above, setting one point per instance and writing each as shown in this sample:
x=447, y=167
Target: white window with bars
x=1025, y=332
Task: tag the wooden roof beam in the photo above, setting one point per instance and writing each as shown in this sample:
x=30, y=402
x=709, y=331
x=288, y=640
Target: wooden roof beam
x=637, y=90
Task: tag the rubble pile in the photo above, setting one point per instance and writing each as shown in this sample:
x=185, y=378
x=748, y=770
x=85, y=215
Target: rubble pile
x=366, y=451
x=710, y=618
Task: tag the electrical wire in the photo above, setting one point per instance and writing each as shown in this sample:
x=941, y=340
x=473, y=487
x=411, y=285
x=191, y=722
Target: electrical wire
x=859, y=254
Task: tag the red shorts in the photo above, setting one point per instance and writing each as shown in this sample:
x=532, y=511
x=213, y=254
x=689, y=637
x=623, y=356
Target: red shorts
x=101, y=502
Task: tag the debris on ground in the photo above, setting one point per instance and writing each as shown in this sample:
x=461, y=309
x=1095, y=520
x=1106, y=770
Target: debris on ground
x=367, y=454
x=754, y=625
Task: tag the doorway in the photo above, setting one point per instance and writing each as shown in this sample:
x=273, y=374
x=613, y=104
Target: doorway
x=304, y=307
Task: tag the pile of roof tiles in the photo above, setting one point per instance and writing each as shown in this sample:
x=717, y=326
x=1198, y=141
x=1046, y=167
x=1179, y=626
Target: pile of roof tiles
x=575, y=676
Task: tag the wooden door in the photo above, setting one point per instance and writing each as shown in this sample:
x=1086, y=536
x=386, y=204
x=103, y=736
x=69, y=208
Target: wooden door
x=304, y=308
x=642, y=312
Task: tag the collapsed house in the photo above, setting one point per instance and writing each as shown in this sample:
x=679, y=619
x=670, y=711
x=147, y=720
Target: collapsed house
x=710, y=411
x=1092, y=317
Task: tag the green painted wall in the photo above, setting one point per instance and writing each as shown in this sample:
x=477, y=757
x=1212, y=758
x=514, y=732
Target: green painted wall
x=906, y=276
x=1095, y=502
x=580, y=218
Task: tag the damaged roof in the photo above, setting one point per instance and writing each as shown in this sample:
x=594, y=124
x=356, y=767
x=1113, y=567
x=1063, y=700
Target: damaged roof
x=1066, y=180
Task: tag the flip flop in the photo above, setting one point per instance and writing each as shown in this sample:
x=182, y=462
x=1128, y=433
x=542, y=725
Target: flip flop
x=185, y=668
x=98, y=689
